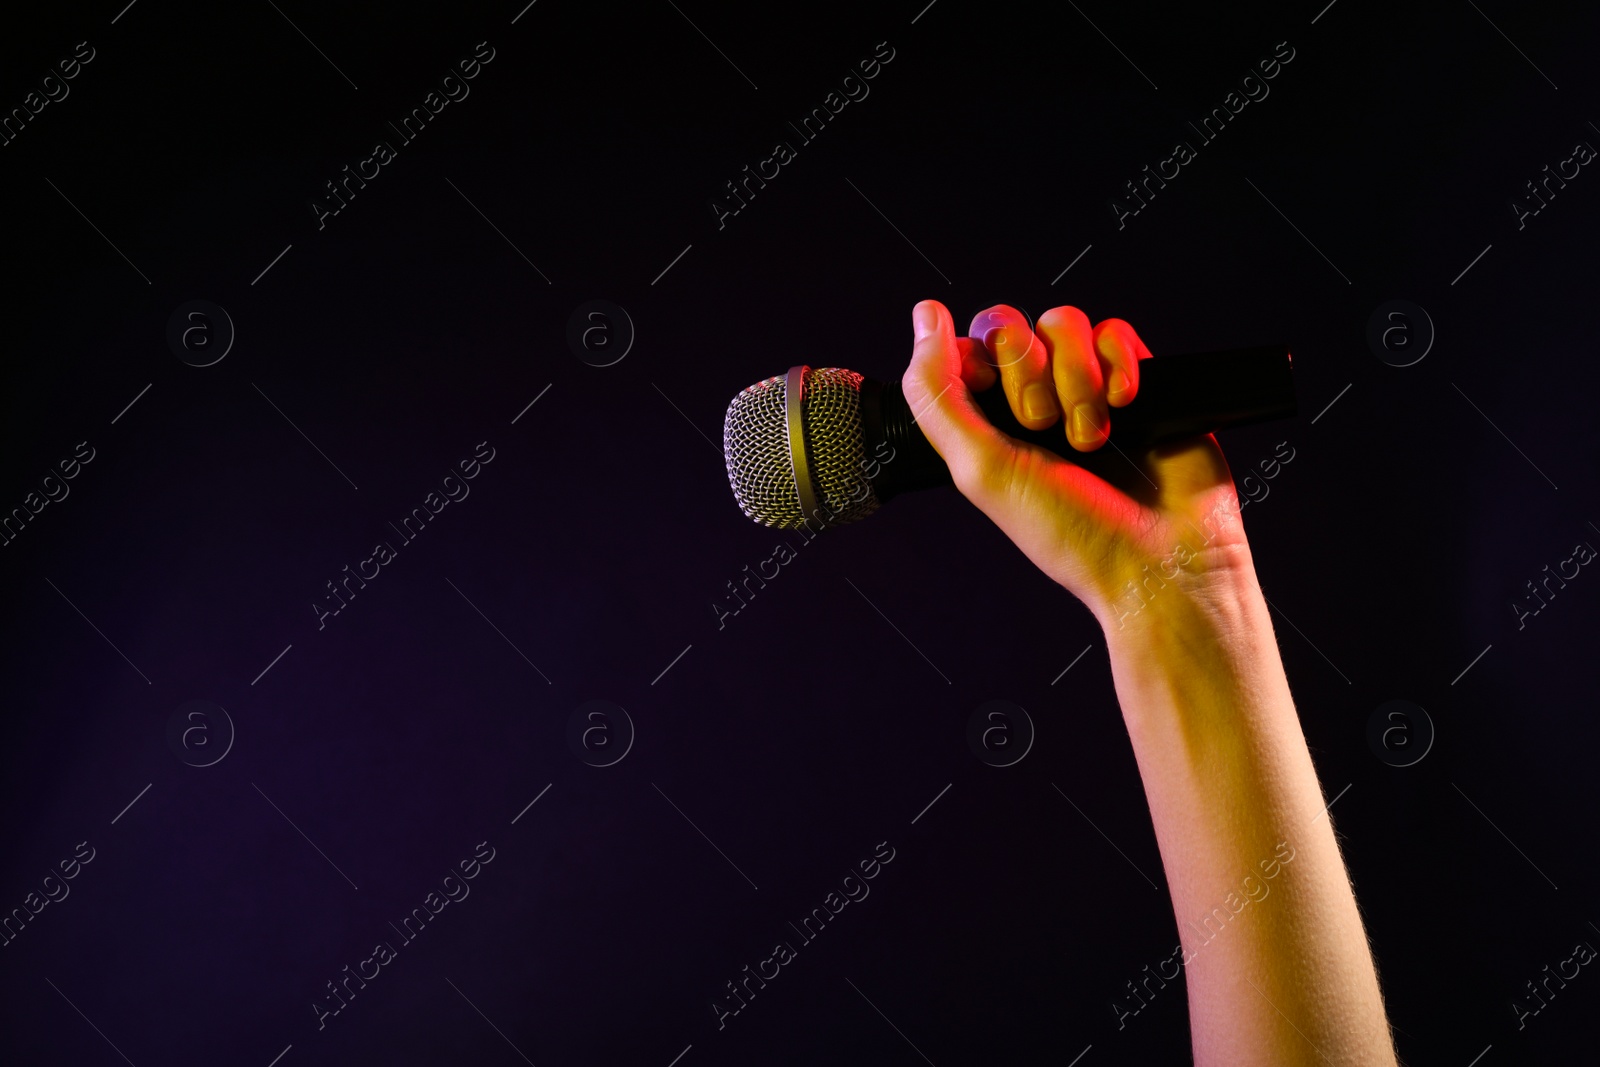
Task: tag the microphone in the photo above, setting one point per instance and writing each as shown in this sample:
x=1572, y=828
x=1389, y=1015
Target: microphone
x=825, y=446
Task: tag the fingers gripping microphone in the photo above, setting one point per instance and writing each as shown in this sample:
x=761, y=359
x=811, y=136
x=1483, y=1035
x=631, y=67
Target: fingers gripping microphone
x=825, y=446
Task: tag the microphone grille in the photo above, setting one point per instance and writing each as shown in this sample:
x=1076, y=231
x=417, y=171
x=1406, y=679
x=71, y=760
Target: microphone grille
x=756, y=449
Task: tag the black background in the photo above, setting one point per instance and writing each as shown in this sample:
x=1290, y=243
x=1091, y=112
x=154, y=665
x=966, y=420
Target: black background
x=808, y=729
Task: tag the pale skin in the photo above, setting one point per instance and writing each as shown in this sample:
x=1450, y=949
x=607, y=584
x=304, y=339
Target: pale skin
x=1289, y=979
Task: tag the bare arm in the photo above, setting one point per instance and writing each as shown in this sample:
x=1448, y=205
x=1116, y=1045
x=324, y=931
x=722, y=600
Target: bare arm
x=1278, y=966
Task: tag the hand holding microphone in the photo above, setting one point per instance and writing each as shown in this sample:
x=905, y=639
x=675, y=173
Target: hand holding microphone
x=1159, y=556
x=1096, y=460
x=1092, y=532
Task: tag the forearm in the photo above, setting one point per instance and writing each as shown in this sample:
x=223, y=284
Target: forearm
x=1278, y=966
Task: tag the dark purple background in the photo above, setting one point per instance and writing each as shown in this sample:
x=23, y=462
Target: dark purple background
x=808, y=730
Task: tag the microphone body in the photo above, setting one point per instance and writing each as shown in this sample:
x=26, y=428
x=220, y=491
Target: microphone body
x=827, y=446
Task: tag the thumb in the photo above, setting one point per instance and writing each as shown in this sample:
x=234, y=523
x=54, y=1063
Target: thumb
x=943, y=407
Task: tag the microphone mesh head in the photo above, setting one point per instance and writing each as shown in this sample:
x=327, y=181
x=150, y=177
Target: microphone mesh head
x=755, y=446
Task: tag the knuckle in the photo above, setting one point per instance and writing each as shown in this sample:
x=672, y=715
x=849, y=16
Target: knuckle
x=1116, y=338
x=1079, y=384
x=994, y=316
x=1072, y=362
x=1064, y=317
x=920, y=384
x=928, y=356
x=981, y=474
x=966, y=470
x=1016, y=351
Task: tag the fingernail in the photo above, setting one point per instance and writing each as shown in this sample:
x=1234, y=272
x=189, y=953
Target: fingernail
x=1085, y=427
x=924, y=320
x=1038, y=402
x=1118, y=385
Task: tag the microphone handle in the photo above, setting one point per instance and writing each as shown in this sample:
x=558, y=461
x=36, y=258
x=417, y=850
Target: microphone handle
x=1179, y=396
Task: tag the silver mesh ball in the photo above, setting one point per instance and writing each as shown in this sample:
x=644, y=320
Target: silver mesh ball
x=755, y=447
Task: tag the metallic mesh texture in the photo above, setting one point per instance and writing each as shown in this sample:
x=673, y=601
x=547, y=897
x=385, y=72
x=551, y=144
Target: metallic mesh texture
x=755, y=447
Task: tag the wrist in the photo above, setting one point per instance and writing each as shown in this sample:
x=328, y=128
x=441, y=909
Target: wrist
x=1198, y=670
x=1208, y=595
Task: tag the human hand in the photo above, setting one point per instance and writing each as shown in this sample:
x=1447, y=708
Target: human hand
x=1115, y=527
